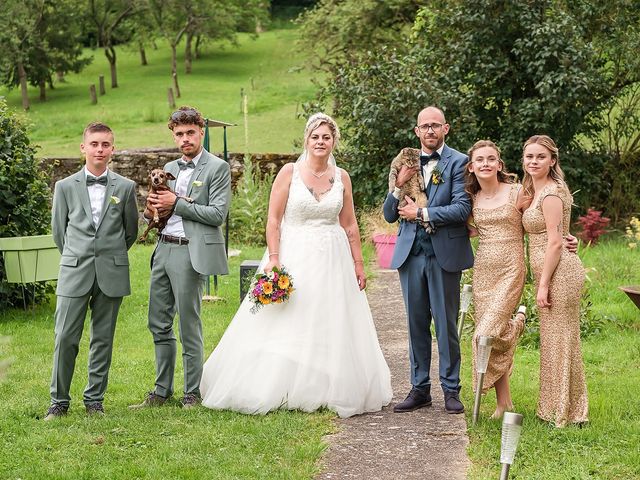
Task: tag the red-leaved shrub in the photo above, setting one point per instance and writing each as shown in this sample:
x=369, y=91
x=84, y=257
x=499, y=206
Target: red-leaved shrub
x=593, y=225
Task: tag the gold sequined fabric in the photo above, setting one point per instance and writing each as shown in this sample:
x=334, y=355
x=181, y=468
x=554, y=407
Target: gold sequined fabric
x=563, y=390
x=498, y=280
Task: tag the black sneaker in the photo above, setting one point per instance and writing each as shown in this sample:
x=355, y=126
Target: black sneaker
x=151, y=399
x=190, y=400
x=452, y=403
x=55, y=411
x=416, y=399
x=95, y=408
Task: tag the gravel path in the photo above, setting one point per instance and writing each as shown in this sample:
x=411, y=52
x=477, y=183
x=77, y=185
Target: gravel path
x=425, y=444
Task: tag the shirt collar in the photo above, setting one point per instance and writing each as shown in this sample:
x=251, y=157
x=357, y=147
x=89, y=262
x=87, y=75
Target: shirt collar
x=87, y=173
x=195, y=159
x=438, y=150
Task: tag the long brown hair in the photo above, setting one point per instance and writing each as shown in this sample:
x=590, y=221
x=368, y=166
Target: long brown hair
x=555, y=172
x=472, y=186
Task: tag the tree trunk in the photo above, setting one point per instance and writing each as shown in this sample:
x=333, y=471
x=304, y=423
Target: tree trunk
x=42, y=85
x=60, y=77
x=174, y=69
x=110, y=53
x=197, y=49
x=187, y=53
x=23, y=86
x=143, y=54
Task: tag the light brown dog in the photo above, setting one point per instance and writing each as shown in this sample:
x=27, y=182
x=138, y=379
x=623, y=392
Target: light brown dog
x=413, y=188
x=158, y=182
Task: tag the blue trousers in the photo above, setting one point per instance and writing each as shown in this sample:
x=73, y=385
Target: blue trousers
x=431, y=292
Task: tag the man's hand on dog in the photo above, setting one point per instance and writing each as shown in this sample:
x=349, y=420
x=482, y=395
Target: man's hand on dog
x=163, y=201
x=405, y=174
x=410, y=210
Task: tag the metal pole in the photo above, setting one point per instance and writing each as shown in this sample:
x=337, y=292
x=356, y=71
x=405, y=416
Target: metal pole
x=504, y=474
x=207, y=285
x=226, y=159
x=476, y=404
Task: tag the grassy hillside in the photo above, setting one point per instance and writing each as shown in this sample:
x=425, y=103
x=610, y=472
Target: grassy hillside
x=269, y=69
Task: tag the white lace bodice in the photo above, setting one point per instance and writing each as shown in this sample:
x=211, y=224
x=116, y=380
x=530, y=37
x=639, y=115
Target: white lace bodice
x=303, y=210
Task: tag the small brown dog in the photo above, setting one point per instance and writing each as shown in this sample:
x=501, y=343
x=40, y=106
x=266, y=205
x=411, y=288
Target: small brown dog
x=413, y=188
x=158, y=180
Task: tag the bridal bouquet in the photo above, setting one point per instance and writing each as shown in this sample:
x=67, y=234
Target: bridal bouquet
x=273, y=287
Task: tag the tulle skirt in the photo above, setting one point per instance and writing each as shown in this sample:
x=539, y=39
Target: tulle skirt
x=319, y=349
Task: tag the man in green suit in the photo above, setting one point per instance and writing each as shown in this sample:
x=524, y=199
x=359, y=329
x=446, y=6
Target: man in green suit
x=94, y=223
x=189, y=248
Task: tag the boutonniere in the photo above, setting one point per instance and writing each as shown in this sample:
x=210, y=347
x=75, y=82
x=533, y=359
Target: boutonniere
x=114, y=200
x=436, y=176
x=197, y=183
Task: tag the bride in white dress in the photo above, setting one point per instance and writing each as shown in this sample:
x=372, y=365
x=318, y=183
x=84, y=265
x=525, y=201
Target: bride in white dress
x=319, y=349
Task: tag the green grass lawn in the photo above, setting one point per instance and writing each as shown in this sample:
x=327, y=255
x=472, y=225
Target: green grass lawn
x=268, y=68
x=608, y=447
x=159, y=443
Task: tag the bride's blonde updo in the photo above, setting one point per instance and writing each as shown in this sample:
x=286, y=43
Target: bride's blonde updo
x=318, y=119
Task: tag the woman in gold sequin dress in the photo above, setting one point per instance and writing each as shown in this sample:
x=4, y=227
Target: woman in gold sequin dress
x=499, y=268
x=559, y=277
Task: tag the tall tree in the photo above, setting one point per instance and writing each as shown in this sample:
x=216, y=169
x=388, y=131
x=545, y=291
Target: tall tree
x=41, y=38
x=107, y=16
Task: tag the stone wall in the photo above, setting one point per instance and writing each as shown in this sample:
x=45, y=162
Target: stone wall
x=136, y=165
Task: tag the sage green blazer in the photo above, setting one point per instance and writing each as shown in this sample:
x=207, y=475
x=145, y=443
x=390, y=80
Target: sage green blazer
x=90, y=252
x=210, y=189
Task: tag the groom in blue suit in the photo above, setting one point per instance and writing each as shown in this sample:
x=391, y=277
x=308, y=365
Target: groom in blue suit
x=431, y=251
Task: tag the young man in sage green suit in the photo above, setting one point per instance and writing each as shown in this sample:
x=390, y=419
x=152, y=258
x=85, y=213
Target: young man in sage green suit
x=94, y=223
x=189, y=248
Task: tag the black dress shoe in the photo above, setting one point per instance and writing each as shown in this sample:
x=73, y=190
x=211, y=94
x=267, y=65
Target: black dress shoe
x=415, y=400
x=452, y=403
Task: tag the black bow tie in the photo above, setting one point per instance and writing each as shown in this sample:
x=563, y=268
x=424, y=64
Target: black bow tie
x=182, y=164
x=427, y=158
x=91, y=180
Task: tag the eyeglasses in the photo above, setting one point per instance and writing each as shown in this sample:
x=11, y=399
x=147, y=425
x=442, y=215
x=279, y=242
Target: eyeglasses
x=489, y=160
x=185, y=116
x=424, y=128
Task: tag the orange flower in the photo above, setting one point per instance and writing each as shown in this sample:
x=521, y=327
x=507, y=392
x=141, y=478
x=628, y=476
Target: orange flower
x=267, y=288
x=265, y=300
x=283, y=282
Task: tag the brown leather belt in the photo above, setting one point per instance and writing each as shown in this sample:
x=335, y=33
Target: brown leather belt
x=171, y=239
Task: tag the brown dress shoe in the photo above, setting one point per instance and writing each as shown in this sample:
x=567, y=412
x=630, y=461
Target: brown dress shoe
x=55, y=411
x=151, y=399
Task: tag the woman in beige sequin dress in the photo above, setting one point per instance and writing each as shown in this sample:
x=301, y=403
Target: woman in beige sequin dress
x=559, y=277
x=499, y=268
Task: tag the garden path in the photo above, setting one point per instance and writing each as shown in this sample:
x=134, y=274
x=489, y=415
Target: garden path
x=425, y=444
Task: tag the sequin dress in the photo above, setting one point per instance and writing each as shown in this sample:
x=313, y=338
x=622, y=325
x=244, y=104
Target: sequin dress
x=498, y=279
x=319, y=349
x=563, y=390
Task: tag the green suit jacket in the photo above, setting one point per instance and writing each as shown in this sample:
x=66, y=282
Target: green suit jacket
x=210, y=189
x=90, y=252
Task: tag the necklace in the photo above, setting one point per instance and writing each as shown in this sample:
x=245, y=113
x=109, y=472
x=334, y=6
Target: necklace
x=318, y=175
x=489, y=197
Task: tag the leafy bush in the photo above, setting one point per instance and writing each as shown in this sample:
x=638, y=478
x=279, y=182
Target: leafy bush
x=249, y=206
x=25, y=198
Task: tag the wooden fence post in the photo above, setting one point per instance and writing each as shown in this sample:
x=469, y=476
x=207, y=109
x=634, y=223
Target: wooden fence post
x=92, y=93
x=102, y=89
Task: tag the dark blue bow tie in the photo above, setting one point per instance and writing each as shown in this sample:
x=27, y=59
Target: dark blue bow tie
x=91, y=180
x=182, y=164
x=427, y=158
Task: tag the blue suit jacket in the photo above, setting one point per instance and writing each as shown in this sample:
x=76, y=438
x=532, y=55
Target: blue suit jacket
x=449, y=207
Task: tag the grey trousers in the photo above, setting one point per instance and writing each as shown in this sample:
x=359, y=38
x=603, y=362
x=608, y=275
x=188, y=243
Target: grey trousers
x=69, y=323
x=176, y=287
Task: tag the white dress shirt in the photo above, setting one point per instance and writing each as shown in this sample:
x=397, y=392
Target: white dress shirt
x=96, y=196
x=174, y=224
